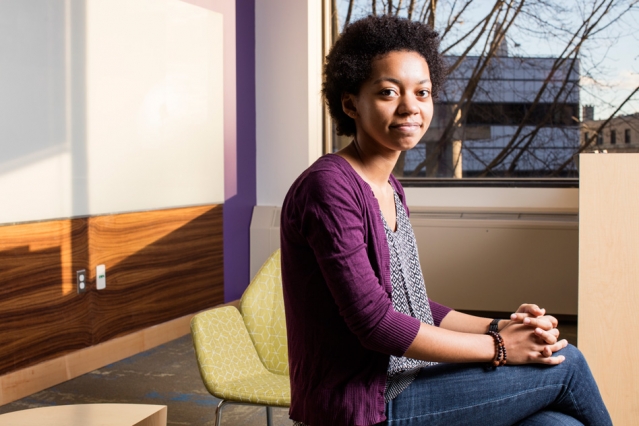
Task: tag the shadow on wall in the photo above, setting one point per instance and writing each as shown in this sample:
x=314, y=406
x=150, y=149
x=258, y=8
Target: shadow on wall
x=43, y=91
x=161, y=265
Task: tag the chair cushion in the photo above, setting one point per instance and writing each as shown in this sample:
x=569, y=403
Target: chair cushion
x=262, y=308
x=228, y=363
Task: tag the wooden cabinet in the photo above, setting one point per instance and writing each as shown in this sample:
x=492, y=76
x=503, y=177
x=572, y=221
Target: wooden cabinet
x=609, y=278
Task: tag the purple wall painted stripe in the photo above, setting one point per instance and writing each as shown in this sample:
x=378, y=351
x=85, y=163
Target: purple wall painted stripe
x=239, y=207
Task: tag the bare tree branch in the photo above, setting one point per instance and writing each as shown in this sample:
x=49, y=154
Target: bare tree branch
x=432, y=10
x=594, y=136
x=411, y=8
x=453, y=20
x=349, y=12
x=569, y=49
x=486, y=21
x=335, y=30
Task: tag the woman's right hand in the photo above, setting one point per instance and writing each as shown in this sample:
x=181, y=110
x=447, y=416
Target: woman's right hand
x=525, y=345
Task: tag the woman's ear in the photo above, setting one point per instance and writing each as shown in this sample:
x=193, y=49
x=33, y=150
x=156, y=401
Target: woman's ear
x=348, y=105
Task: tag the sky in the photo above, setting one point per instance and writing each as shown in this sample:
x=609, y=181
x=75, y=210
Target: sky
x=610, y=60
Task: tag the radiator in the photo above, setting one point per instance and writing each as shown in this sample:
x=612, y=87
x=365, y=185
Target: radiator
x=477, y=260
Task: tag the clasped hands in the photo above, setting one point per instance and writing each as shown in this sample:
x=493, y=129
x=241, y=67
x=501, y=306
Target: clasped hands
x=531, y=336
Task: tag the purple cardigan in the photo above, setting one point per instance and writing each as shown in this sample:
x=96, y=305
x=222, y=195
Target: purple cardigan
x=340, y=320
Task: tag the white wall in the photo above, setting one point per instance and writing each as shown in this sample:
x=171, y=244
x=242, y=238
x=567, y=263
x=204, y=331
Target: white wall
x=108, y=107
x=288, y=82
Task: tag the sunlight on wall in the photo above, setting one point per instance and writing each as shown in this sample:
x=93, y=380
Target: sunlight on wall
x=109, y=106
x=154, y=105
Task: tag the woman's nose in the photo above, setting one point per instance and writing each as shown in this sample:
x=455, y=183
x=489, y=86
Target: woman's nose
x=408, y=105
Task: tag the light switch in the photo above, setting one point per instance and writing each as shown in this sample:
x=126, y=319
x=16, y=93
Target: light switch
x=100, y=277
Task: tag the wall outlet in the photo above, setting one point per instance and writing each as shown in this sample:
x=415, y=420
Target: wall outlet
x=100, y=277
x=81, y=277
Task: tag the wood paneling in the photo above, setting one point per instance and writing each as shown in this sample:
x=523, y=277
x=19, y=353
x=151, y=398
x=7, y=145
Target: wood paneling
x=161, y=265
x=609, y=278
x=41, y=314
x=29, y=380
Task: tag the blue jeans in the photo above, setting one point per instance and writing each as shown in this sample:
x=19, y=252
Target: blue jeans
x=526, y=395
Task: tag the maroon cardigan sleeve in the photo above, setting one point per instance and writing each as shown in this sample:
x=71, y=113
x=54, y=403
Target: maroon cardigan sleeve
x=438, y=311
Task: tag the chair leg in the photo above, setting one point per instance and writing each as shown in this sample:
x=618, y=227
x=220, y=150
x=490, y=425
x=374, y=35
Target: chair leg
x=269, y=416
x=218, y=412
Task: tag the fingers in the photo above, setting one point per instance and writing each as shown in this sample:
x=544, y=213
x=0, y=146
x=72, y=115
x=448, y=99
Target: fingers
x=547, y=351
x=553, y=321
x=549, y=337
x=546, y=322
x=550, y=360
x=545, y=355
x=531, y=309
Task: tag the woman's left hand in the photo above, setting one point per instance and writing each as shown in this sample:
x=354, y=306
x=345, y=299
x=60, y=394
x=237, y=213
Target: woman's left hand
x=534, y=316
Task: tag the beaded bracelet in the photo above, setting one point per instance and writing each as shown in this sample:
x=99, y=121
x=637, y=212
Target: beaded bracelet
x=500, y=349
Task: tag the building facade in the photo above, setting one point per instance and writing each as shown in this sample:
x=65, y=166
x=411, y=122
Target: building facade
x=522, y=114
x=620, y=134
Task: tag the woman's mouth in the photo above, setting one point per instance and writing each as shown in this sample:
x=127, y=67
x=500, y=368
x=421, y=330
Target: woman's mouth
x=406, y=127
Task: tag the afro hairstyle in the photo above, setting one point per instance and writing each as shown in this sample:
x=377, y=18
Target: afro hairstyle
x=349, y=63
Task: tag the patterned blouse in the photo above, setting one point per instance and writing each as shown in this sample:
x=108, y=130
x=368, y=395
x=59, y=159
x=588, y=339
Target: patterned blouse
x=409, y=297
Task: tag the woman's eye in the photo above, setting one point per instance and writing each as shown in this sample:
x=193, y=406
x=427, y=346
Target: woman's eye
x=424, y=93
x=387, y=92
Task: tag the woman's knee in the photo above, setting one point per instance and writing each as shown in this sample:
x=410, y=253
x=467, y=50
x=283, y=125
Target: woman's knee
x=574, y=358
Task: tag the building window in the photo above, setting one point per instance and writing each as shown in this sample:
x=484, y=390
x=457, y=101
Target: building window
x=626, y=136
x=613, y=137
x=600, y=139
x=586, y=138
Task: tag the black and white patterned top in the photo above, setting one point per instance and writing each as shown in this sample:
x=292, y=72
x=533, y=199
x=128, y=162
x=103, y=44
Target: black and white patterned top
x=409, y=295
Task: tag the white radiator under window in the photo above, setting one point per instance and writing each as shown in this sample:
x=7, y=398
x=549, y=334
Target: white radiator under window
x=478, y=261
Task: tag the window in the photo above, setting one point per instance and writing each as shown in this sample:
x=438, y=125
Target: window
x=586, y=138
x=626, y=136
x=511, y=99
x=613, y=137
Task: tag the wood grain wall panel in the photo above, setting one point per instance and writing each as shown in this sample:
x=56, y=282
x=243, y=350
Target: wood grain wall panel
x=160, y=265
x=41, y=314
x=609, y=278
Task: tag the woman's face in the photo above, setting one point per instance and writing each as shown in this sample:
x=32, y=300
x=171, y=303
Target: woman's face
x=394, y=106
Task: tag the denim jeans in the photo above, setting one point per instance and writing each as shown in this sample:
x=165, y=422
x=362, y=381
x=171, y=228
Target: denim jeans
x=527, y=395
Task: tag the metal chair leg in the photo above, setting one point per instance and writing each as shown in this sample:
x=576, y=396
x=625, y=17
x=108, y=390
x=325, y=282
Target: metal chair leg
x=269, y=416
x=218, y=412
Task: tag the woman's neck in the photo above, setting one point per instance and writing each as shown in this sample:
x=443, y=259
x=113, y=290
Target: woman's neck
x=373, y=167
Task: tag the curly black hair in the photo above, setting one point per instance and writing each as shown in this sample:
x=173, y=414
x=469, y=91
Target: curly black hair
x=349, y=63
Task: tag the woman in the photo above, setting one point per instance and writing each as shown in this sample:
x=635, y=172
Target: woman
x=364, y=339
